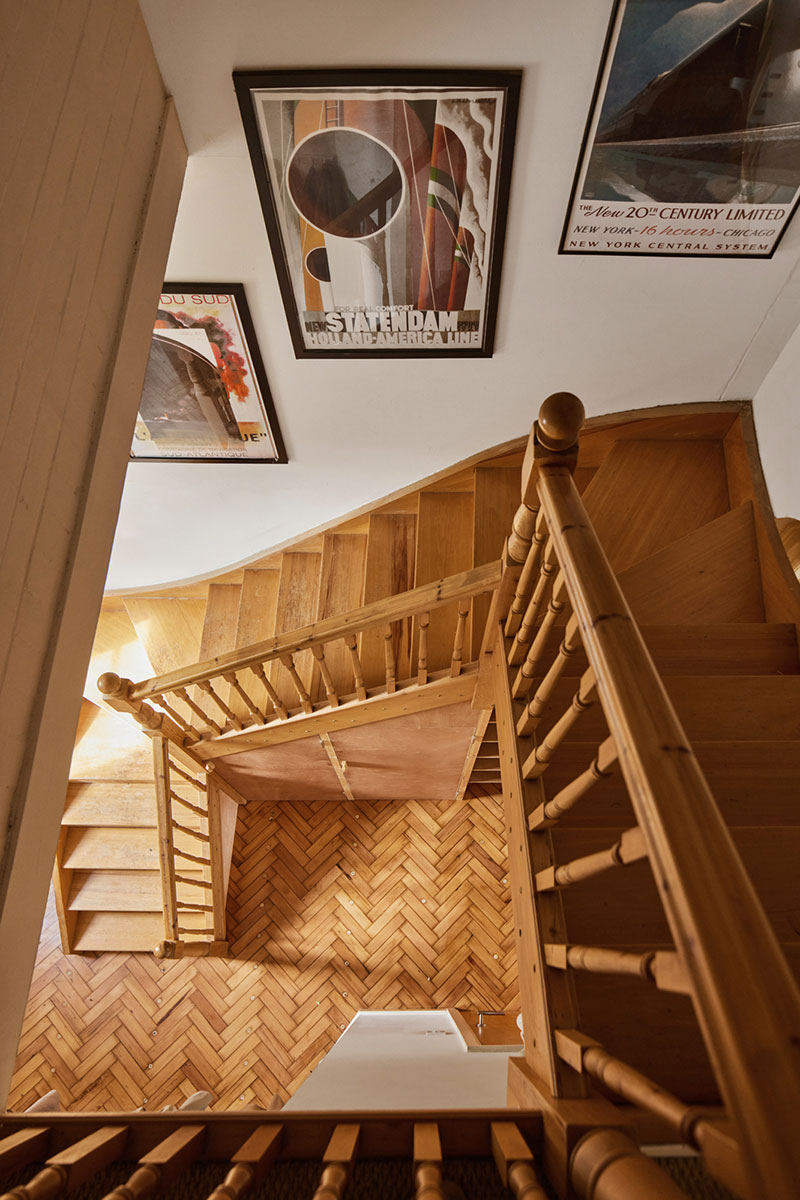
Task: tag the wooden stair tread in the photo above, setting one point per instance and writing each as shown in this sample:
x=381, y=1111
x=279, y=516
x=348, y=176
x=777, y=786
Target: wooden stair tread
x=98, y=848
x=710, y=574
x=110, y=747
x=101, y=802
x=728, y=648
x=126, y=891
x=169, y=628
x=648, y=493
x=117, y=931
x=444, y=547
x=389, y=567
x=710, y=707
x=753, y=782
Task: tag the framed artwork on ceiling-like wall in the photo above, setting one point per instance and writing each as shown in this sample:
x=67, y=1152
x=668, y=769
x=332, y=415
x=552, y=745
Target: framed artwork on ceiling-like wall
x=385, y=196
x=692, y=147
x=205, y=395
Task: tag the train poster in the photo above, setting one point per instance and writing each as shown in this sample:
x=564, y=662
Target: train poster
x=693, y=142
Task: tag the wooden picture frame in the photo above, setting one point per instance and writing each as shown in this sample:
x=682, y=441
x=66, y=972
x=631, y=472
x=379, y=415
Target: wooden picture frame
x=385, y=194
x=206, y=396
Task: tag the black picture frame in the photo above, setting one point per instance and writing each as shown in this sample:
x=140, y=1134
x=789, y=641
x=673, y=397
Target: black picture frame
x=679, y=179
x=359, y=104
x=218, y=394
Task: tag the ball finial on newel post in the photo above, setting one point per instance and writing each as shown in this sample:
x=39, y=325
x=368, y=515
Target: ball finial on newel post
x=560, y=420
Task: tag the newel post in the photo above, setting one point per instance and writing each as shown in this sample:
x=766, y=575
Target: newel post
x=553, y=442
x=116, y=693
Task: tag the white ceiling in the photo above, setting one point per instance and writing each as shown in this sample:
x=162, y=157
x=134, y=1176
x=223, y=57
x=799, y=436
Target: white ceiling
x=621, y=332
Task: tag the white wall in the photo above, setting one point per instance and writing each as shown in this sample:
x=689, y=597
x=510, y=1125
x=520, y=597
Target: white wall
x=622, y=332
x=403, y=1060
x=777, y=417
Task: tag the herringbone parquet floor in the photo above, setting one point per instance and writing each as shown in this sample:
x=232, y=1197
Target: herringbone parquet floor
x=332, y=907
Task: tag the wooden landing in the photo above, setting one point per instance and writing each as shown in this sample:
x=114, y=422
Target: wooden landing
x=333, y=906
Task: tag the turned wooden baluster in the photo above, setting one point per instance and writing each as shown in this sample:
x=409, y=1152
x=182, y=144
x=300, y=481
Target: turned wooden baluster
x=71, y=1168
x=391, y=665
x=660, y=967
x=299, y=686
x=177, y=769
x=528, y=576
x=183, y=695
x=423, y=621
x=206, y=686
x=427, y=1161
x=602, y=766
x=458, y=641
x=530, y=668
x=161, y=1166
x=515, y=1162
x=629, y=849
x=693, y=1126
x=232, y=678
x=526, y=631
x=338, y=1159
x=179, y=720
x=176, y=799
x=330, y=690
x=358, y=674
x=277, y=703
x=538, y=761
x=606, y=1164
x=187, y=829
x=570, y=644
x=250, y=1163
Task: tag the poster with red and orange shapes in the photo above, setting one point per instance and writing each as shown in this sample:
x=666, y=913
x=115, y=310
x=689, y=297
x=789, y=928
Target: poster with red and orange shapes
x=205, y=395
x=385, y=198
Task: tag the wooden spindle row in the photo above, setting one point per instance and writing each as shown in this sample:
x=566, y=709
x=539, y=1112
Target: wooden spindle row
x=206, y=686
x=602, y=766
x=557, y=605
x=629, y=849
x=233, y=679
x=163, y=1165
x=660, y=967
x=536, y=606
x=539, y=759
x=528, y=576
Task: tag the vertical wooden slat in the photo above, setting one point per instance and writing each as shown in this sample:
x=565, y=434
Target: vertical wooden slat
x=218, y=897
x=166, y=848
x=388, y=570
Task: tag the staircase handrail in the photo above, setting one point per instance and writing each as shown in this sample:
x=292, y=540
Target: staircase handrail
x=379, y=612
x=745, y=998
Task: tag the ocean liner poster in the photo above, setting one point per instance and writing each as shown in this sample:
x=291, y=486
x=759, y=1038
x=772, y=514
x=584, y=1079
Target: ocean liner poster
x=385, y=198
x=205, y=396
x=693, y=145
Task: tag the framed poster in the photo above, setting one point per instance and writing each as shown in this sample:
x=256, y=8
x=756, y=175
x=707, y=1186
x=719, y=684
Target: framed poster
x=693, y=143
x=205, y=395
x=384, y=195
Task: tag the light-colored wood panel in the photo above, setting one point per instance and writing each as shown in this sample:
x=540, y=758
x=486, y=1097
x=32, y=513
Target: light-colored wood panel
x=116, y=648
x=109, y=747
x=497, y=493
x=710, y=708
x=111, y=891
x=220, y=620
x=388, y=571
x=112, y=931
x=107, y=849
x=649, y=493
x=695, y=422
x=753, y=783
x=341, y=589
x=110, y=803
x=297, y=606
x=444, y=547
x=170, y=630
x=257, y=608
x=709, y=575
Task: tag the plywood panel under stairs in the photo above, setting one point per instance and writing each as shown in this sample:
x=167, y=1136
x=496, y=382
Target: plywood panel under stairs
x=444, y=547
x=647, y=494
x=388, y=570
